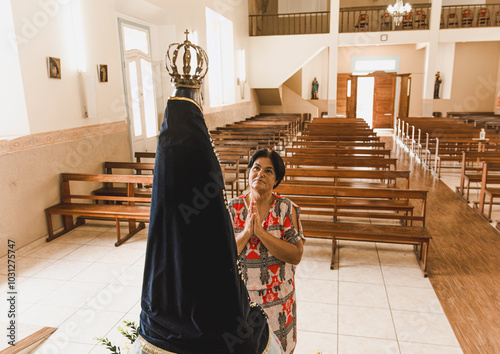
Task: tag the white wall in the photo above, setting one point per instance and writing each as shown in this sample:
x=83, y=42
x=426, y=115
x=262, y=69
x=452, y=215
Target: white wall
x=190, y=14
x=14, y=116
x=316, y=67
x=46, y=29
x=294, y=6
x=273, y=59
x=445, y=63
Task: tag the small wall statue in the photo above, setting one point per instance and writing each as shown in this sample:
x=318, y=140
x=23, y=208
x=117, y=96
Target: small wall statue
x=437, y=83
x=314, y=92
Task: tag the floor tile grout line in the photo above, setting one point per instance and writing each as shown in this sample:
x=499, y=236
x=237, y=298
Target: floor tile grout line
x=388, y=300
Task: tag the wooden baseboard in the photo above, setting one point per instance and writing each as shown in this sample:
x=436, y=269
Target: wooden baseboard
x=27, y=342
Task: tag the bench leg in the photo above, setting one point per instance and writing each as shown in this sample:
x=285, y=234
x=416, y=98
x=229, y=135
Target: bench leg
x=132, y=231
x=68, y=226
x=334, y=247
x=425, y=247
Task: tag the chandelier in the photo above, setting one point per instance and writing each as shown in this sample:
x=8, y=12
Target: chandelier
x=398, y=10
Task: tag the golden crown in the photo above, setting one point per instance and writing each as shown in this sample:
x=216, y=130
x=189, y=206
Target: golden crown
x=188, y=78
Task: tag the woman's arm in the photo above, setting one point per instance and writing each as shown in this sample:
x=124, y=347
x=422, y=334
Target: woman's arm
x=283, y=250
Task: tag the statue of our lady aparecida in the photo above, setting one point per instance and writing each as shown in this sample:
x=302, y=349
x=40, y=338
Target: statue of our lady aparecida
x=193, y=298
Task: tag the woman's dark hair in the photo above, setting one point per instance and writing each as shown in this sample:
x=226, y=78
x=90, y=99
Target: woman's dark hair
x=277, y=161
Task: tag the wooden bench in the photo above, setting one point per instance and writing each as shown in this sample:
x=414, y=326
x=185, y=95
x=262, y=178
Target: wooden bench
x=471, y=169
x=140, y=155
x=348, y=177
x=490, y=177
x=451, y=149
x=384, y=205
x=336, y=152
x=340, y=144
x=342, y=162
x=69, y=208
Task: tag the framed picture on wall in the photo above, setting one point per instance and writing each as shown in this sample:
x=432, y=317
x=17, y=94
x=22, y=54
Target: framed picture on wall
x=102, y=71
x=54, y=67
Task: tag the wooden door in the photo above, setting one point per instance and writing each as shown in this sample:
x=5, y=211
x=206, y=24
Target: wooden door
x=404, y=96
x=383, y=101
x=342, y=94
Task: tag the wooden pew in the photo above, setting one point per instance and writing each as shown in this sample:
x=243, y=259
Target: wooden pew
x=381, y=204
x=140, y=155
x=340, y=144
x=336, y=152
x=452, y=150
x=348, y=178
x=69, y=208
x=471, y=169
x=131, y=168
x=490, y=178
x=341, y=162
x=337, y=138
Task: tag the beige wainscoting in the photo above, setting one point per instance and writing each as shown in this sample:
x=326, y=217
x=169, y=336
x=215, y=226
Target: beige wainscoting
x=30, y=174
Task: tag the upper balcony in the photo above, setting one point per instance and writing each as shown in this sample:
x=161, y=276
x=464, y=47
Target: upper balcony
x=373, y=19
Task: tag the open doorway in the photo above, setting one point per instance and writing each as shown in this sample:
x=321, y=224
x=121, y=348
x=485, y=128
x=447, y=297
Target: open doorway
x=364, y=104
x=375, y=95
x=139, y=85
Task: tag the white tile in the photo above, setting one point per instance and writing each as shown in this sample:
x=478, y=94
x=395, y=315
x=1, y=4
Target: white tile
x=425, y=328
x=46, y=315
x=403, y=276
x=312, y=290
x=366, y=322
x=122, y=255
x=135, y=273
x=354, y=256
x=78, y=236
x=53, y=250
x=52, y=347
x=419, y=348
x=27, y=266
x=106, y=239
x=72, y=294
x=364, y=345
x=115, y=297
x=87, y=253
x=317, y=250
x=316, y=317
x=87, y=324
x=102, y=273
x=362, y=294
x=33, y=290
x=62, y=270
x=414, y=299
x=398, y=258
x=381, y=246
x=136, y=309
x=309, y=342
x=361, y=273
x=316, y=270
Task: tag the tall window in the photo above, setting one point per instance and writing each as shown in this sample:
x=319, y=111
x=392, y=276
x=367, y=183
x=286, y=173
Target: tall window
x=14, y=117
x=220, y=52
x=367, y=65
x=139, y=83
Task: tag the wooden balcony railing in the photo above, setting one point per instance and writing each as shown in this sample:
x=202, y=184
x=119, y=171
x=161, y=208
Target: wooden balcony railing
x=292, y=23
x=470, y=16
x=376, y=18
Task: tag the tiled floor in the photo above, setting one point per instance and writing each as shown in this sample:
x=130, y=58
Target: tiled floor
x=377, y=301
